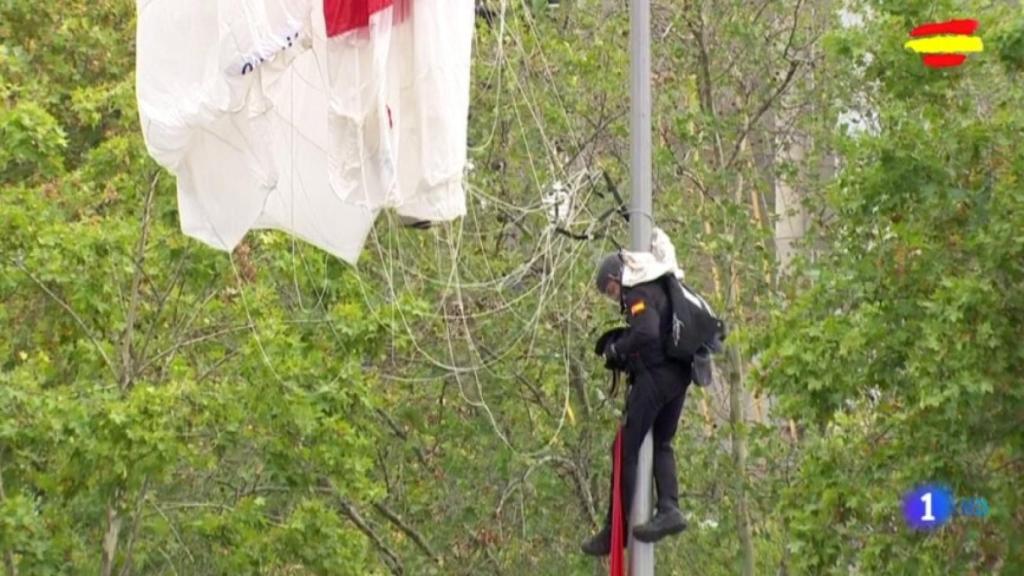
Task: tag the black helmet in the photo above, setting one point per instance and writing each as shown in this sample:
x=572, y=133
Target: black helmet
x=610, y=269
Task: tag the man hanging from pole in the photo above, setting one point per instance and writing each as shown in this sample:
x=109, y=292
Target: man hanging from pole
x=654, y=402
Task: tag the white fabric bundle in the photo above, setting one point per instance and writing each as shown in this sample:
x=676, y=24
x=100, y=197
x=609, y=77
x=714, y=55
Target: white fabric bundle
x=308, y=116
x=640, y=267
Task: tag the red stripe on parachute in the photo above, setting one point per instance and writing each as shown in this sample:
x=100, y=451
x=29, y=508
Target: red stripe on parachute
x=347, y=15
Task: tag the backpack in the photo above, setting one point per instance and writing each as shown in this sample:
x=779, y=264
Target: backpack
x=693, y=326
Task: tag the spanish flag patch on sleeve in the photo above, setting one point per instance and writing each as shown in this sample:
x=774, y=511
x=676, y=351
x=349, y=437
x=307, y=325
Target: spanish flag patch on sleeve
x=637, y=308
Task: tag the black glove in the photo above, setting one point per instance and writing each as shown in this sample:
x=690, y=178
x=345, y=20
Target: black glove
x=605, y=347
x=609, y=352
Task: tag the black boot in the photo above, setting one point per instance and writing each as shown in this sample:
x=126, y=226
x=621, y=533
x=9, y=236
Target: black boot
x=669, y=520
x=599, y=544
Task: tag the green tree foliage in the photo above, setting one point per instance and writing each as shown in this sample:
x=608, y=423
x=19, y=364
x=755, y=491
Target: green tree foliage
x=902, y=356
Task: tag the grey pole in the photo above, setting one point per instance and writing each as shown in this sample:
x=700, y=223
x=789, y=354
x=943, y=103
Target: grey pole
x=641, y=556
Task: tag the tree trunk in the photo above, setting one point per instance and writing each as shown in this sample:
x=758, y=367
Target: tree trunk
x=737, y=420
x=110, y=539
x=739, y=454
x=127, y=375
x=791, y=217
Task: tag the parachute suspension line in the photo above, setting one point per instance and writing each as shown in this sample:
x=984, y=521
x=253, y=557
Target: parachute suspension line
x=454, y=284
x=548, y=147
x=482, y=401
x=457, y=371
x=408, y=328
x=534, y=322
x=497, y=70
x=554, y=86
x=255, y=332
x=553, y=163
x=540, y=254
x=566, y=365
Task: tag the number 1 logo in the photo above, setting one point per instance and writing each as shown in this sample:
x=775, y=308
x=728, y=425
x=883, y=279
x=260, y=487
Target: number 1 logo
x=928, y=507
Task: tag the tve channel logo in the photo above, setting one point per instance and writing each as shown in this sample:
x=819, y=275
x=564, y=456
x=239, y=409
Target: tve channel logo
x=930, y=506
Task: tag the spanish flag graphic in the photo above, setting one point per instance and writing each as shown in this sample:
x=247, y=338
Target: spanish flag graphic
x=945, y=44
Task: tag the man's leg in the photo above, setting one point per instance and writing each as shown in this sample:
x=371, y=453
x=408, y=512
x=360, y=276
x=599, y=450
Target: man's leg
x=664, y=432
x=642, y=409
x=668, y=520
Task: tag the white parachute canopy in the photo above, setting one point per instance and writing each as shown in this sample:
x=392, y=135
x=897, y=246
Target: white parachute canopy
x=307, y=116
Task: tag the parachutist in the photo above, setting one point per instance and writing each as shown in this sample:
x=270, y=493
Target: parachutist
x=658, y=385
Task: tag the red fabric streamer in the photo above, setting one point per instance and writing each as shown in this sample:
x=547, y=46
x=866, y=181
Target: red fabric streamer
x=615, y=566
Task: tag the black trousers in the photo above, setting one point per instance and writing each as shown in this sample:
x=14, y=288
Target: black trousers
x=655, y=402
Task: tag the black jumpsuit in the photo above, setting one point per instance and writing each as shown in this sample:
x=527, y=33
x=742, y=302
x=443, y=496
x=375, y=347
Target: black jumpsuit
x=658, y=388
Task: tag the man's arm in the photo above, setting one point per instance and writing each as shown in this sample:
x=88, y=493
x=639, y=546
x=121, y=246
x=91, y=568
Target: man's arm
x=644, y=326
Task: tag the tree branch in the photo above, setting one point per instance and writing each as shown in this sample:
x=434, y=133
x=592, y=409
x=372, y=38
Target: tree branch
x=78, y=319
x=191, y=341
x=174, y=529
x=136, y=521
x=390, y=558
x=176, y=278
x=420, y=454
x=767, y=104
x=409, y=530
x=586, y=498
x=127, y=368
